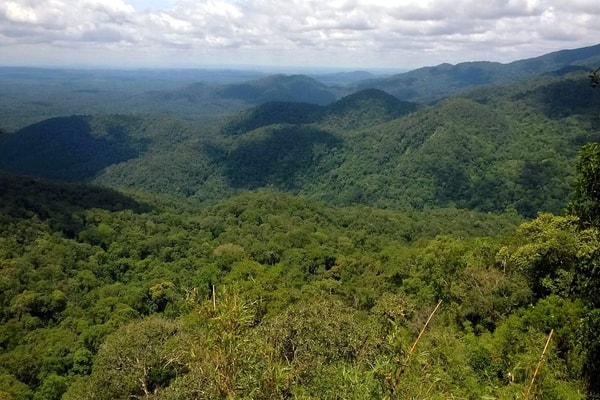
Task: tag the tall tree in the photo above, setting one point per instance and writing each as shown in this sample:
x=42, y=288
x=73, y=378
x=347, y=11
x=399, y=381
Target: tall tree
x=586, y=206
x=595, y=78
x=585, y=203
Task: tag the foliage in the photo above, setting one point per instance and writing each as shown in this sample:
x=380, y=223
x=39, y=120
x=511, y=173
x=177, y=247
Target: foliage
x=586, y=197
x=139, y=359
x=208, y=281
x=496, y=149
x=69, y=148
x=268, y=295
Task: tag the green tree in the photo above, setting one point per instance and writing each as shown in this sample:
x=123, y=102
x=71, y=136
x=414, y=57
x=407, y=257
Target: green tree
x=222, y=356
x=138, y=360
x=586, y=198
x=52, y=388
x=595, y=78
x=12, y=389
x=551, y=247
x=586, y=206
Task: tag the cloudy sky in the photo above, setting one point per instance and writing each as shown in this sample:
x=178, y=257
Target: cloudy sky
x=354, y=34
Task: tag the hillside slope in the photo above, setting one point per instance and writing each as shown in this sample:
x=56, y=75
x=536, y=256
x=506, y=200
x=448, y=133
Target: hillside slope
x=365, y=108
x=494, y=149
x=433, y=83
x=293, y=88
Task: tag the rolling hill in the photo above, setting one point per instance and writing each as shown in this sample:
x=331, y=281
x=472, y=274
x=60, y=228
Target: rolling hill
x=69, y=148
x=433, y=83
x=364, y=108
x=293, y=88
x=494, y=149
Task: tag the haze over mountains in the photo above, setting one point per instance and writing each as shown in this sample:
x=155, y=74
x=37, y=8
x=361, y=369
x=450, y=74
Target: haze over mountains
x=193, y=94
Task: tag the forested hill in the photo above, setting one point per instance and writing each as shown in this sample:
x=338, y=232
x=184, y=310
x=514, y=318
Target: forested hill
x=298, y=88
x=494, y=149
x=433, y=83
x=71, y=148
x=29, y=95
x=365, y=108
x=292, y=88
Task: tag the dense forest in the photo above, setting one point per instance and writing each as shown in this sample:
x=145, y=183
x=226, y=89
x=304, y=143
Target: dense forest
x=496, y=149
x=355, y=246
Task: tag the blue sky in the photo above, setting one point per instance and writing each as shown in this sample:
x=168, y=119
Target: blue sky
x=141, y=5
x=348, y=34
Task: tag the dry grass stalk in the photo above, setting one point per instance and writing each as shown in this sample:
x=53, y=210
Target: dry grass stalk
x=423, y=330
x=539, y=364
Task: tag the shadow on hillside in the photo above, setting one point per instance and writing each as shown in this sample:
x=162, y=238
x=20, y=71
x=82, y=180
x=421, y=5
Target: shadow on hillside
x=58, y=202
x=569, y=97
x=67, y=148
x=271, y=113
x=284, y=158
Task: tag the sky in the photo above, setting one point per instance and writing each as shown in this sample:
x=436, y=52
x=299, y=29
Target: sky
x=338, y=34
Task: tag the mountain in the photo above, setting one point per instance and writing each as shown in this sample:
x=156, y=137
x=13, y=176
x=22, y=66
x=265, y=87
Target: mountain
x=364, y=108
x=292, y=88
x=433, y=83
x=497, y=148
x=206, y=99
x=30, y=95
x=493, y=149
x=274, y=113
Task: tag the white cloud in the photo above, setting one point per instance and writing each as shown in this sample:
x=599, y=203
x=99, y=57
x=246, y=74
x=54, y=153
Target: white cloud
x=16, y=12
x=580, y=6
x=368, y=32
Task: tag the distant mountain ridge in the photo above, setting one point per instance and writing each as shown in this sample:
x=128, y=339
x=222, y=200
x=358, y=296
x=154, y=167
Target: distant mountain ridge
x=29, y=95
x=423, y=85
x=433, y=83
x=295, y=88
x=344, y=79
